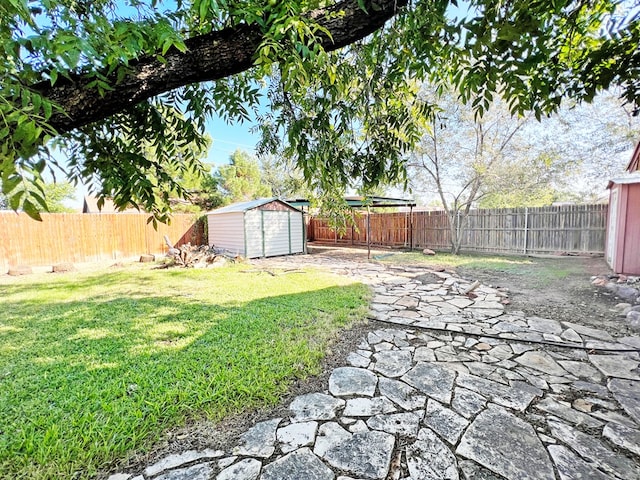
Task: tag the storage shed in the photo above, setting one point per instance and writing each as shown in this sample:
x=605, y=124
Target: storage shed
x=623, y=230
x=266, y=227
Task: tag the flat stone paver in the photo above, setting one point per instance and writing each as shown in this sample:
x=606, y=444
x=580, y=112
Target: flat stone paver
x=201, y=471
x=517, y=396
x=184, y=458
x=429, y=458
x=433, y=380
x=626, y=393
x=259, y=440
x=315, y=406
x=406, y=424
x=623, y=436
x=541, y=361
x=571, y=467
x=445, y=422
x=247, y=469
x=403, y=395
x=596, y=451
x=350, y=381
x=453, y=388
x=619, y=366
x=296, y=465
x=367, y=407
x=366, y=454
x=506, y=445
x=392, y=363
x=296, y=435
x=467, y=402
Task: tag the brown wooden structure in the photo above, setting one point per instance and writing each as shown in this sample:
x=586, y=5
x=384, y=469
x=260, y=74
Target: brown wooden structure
x=365, y=204
x=77, y=237
x=623, y=231
x=542, y=230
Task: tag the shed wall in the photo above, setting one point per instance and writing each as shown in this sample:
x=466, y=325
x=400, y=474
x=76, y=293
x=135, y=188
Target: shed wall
x=631, y=252
x=226, y=231
x=623, y=241
x=272, y=233
x=297, y=233
x=258, y=232
x=253, y=231
x=613, y=227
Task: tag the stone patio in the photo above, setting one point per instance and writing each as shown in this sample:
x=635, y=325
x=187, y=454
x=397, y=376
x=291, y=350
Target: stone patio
x=456, y=387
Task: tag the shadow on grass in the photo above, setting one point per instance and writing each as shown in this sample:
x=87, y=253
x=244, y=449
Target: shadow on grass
x=84, y=382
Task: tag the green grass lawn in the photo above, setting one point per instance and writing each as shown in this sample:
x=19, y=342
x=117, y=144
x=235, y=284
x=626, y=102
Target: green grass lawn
x=96, y=365
x=448, y=260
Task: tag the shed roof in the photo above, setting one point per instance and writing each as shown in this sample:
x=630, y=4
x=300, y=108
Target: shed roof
x=371, y=201
x=90, y=205
x=634, y=163
x=627, y=179
x=250, y=205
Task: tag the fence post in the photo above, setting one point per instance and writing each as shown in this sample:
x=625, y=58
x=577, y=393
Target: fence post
x=410, y=228
x=353, y=222
x=368, y=233
x=458, y=229
x=526, y=228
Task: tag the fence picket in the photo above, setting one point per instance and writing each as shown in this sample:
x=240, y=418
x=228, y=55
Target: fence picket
x=571, y=229
x=71, y=237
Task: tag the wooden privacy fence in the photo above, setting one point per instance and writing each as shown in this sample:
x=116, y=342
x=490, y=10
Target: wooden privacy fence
x=88, y=237
x=571, y=229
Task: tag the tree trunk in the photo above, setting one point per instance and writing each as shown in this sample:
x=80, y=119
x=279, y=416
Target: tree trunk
x=208, y=57
x=451, y=216
x=456, y=221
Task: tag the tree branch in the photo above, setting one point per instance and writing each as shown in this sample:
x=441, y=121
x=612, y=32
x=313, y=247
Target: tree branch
x=208, y=57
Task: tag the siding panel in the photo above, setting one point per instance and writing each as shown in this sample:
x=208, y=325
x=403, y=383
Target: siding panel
x=276, y=233
x=253, y=229
x=297, y=233
x=226, y=231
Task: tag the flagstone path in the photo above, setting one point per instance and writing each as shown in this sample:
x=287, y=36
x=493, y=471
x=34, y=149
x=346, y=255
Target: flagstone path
x=455, y=388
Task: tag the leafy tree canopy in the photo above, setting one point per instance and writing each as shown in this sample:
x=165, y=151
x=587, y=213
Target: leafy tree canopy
x=56, y=194
x=241, y=179
x=285, y=180
x=101, y=80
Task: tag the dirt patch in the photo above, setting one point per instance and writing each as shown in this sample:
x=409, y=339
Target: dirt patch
x=559, y=288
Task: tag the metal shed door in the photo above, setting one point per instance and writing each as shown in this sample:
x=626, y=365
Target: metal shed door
x=276, y=233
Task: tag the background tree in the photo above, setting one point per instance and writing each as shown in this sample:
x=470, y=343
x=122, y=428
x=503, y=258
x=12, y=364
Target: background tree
x=203, y=191
x=501, y=161
x=465, y=158
x=241, y=180
x=57, y=194
x=284, y=178
x=597, y=138
x=536, y=181
x=103, y=80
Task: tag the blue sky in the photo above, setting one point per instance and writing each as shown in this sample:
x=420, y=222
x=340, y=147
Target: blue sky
x=229, y=137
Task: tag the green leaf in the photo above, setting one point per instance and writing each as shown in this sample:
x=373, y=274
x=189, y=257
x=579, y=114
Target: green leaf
x=31, y=210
